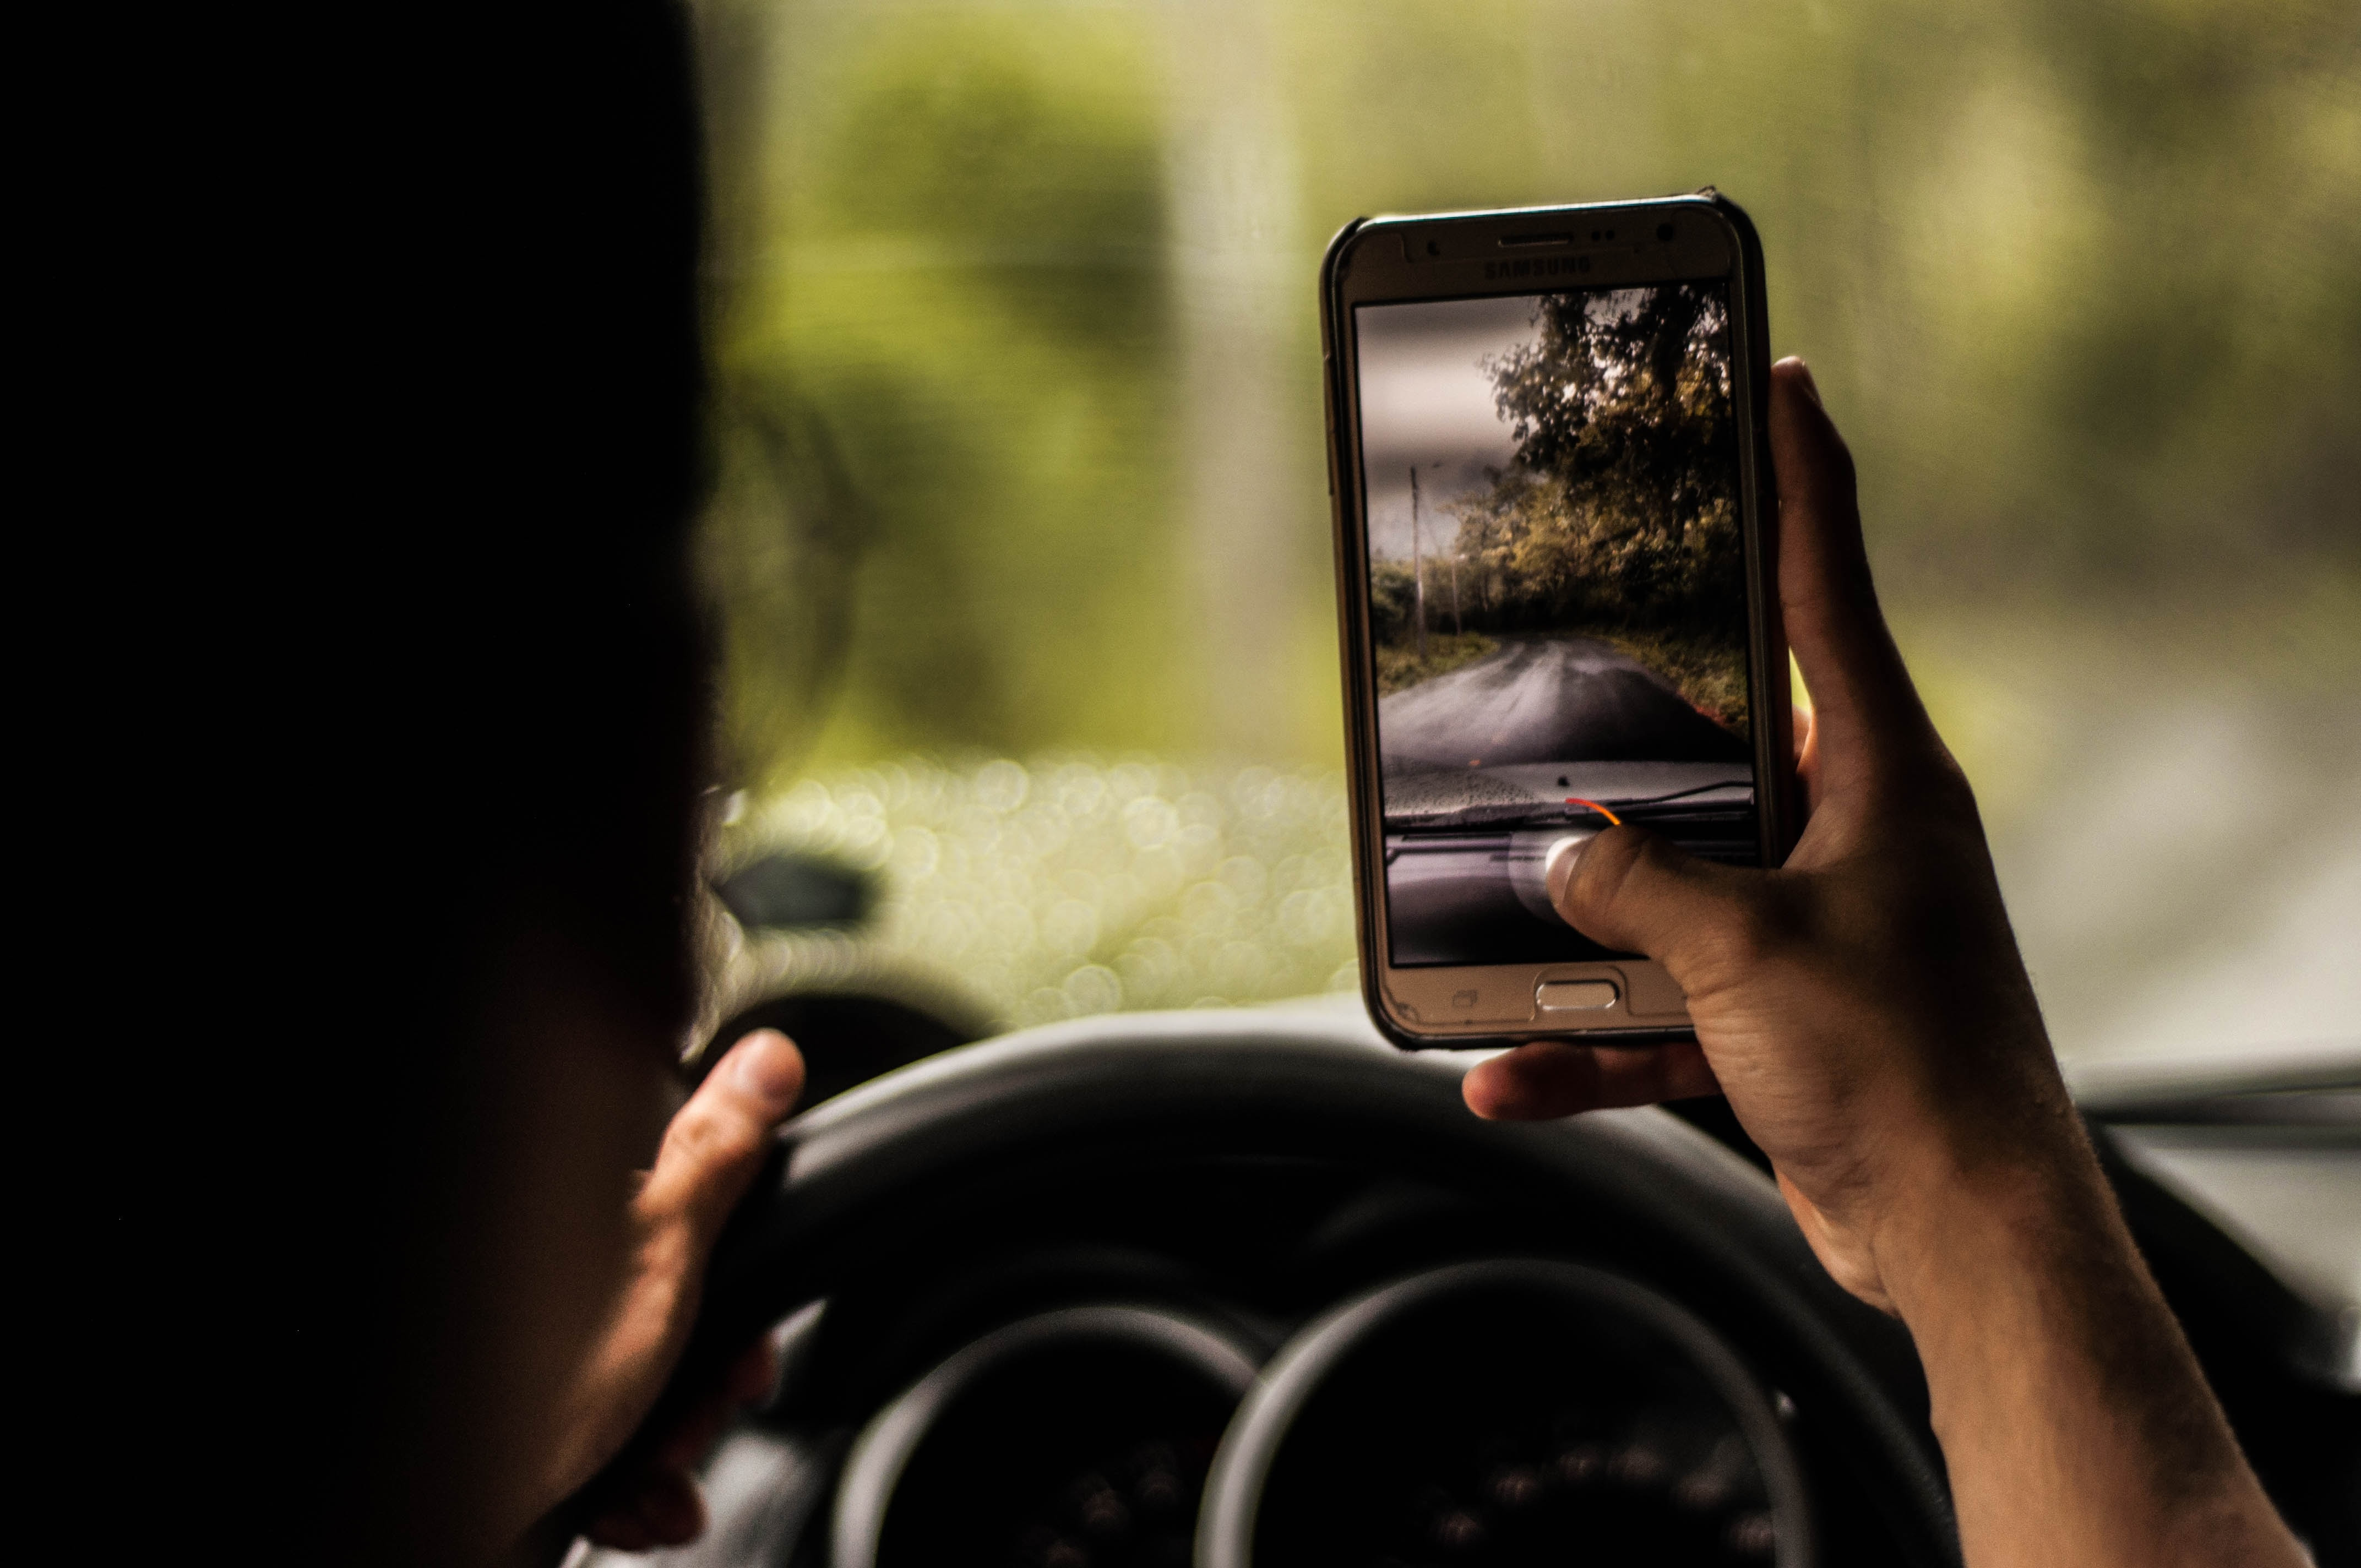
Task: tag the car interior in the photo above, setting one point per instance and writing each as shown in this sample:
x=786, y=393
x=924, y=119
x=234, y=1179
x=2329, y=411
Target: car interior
x=1252, y=1286
x=1112, y=1231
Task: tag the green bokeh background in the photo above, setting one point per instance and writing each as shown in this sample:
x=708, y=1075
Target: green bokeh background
x=1018, y=444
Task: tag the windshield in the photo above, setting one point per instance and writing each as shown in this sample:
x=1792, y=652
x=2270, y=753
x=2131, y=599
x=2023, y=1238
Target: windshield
x=1020, y=546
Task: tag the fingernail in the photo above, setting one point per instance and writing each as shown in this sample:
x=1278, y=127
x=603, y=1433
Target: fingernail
x=1557, y=871
x=770, y=1069
x=1812, y=388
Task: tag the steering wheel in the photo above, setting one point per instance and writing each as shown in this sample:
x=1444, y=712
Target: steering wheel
x=1640, y=1188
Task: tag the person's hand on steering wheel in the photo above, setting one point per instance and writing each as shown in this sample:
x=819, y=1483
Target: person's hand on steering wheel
x=1866, y=1011
x=712, y=1149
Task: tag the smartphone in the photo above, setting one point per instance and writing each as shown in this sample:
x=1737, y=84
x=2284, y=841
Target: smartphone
x=1552, y=482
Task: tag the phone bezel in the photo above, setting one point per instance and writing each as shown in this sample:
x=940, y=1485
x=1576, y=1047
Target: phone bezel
x=1399, y=269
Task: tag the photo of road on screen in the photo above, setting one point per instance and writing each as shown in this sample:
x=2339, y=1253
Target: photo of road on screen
x=1558, y=591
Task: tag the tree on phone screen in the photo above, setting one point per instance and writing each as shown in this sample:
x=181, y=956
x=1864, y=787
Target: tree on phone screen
x=1620, y=513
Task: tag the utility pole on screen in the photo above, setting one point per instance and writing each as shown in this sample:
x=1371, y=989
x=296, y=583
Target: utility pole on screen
x=1456, y=628
x=1417, y=566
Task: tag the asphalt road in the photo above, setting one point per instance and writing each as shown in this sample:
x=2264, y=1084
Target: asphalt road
x=1547, y=699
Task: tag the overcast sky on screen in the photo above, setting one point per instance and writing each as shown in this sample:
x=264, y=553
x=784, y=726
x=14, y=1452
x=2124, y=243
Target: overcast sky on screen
x=1425, y=400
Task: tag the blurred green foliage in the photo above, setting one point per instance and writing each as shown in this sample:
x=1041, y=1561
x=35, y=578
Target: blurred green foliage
x=1018, y=451
x=2077, y=281
x=1024, y=894
x=953, y=282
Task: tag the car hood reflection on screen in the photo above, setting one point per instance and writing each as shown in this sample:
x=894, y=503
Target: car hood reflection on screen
x=1537, y=794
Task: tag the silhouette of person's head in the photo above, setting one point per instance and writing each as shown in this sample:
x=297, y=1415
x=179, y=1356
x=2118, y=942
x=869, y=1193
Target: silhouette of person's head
x=490, y=684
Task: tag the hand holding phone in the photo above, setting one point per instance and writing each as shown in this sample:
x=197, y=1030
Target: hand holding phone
x=1867, y=1013
x=1549, y=474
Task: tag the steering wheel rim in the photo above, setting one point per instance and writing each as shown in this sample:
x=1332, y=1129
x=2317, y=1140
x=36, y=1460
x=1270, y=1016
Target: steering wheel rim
x=1322, y=1084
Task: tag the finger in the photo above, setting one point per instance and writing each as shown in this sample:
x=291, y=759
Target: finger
x=1559, y=1078
x=619, y=1529
x=644, y=1511
x=754, y=1376
x=717, y=1141
x=673, y=1508
x=694, y=1433
x=1834, y=625
x=668, y=1507
x=1630, y=889
x=665, y=1508
x=694, y=1430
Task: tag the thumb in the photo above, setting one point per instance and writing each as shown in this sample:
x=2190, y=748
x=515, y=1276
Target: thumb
x=716, y=1142
x=1630, y=890
x=711, y=1151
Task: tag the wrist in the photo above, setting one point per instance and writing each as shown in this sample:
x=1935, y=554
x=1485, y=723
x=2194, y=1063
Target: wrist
x=1983, y=1158
x=2059, y=1383
x=1960, y=1224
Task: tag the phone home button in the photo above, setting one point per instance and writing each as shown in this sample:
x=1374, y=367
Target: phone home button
x=1573, y=995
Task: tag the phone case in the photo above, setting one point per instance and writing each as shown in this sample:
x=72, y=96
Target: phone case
x=1773, y=734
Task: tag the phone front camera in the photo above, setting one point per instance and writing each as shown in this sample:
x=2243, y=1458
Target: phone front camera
x=1433, y=248
x=1664, y=231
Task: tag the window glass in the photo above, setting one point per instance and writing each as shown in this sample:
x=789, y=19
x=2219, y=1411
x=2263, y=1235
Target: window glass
x=1020, y=543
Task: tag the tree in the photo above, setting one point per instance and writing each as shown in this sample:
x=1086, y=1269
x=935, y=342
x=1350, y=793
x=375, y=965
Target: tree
x=1620, y=504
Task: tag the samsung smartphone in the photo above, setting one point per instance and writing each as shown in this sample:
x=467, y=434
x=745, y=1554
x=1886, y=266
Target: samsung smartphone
x=1552, y=481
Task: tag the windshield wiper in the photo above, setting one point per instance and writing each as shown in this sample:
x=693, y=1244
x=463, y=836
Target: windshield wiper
x=1546, y=814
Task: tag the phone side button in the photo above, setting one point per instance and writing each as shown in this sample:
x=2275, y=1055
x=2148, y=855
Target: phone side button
x=1573, y=995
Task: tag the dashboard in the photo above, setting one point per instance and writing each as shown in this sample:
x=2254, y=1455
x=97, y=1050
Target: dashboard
x=1116, y=1293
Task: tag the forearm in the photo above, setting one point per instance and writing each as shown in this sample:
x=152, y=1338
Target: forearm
x=2075, y=1422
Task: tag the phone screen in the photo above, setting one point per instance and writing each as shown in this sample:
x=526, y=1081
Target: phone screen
x=1558, y=600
